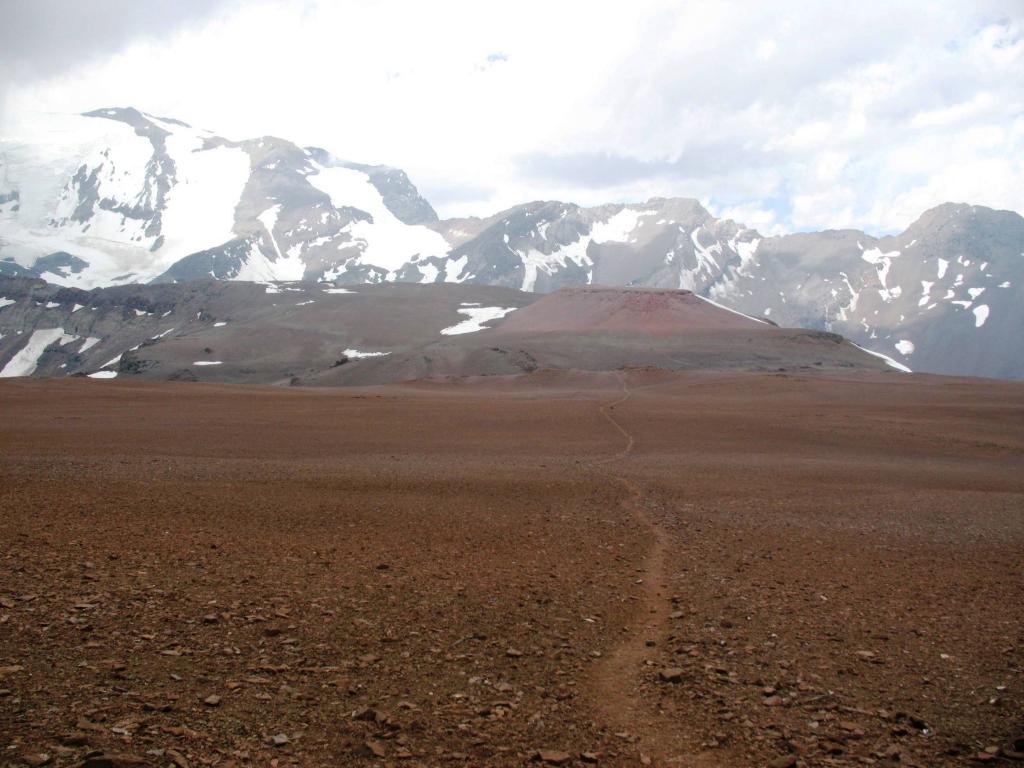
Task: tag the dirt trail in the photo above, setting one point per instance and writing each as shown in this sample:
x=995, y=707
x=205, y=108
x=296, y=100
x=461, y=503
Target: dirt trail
x=616, y=679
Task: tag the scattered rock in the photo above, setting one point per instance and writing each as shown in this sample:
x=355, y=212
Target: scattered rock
x=372, y=748
x=114, y=760
x=554, y=757
x=671, y=675
x=213, y=700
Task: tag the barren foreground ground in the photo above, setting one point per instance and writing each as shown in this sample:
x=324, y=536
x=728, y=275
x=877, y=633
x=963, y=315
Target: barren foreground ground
x=684, y=569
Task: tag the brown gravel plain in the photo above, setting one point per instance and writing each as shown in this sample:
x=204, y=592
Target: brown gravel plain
x=692, y=569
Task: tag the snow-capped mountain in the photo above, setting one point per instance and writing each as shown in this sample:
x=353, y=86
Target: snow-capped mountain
x=118, y=196
x=152, y=198
x=944, y=296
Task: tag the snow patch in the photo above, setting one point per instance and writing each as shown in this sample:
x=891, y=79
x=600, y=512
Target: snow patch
x=904, y=347
x=103, y=375
x=386, y=242
x=25, y=362
x=888, y=360
x=619, y=227
x=453, y=268
x=429, y=272
x=260, y=269
x=208, y=362
x=882, y=263
x=926, y=290
x=980, y=315
x=355, y=354
x=727, y=309
x=535, y=262
x=476, y=317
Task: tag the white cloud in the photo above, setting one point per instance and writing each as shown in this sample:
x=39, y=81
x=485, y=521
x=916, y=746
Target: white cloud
x=795, y=116
x=753, y=215
x=766, y=49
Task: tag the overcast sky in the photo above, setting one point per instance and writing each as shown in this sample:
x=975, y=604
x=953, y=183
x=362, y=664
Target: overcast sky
x=785, y=116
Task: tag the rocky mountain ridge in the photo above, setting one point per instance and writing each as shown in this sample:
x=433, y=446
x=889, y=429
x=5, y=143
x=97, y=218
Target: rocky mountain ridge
x=137, y=198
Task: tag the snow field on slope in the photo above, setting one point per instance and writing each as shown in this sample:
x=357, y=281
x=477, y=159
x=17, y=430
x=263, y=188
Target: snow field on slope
x=42, y=151
x=201, y=205
x=25, y=362
x=120, y=169
x=888, y=360
x=260, y=268
x=617, y=228
x=476, y=317
x=389, y=243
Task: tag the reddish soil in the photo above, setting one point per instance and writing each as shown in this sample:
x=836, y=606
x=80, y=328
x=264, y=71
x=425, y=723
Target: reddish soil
x=637, y=310
x=649, y=568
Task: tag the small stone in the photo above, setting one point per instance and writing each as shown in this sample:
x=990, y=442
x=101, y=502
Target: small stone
x=213, y=700
x=40, y=758
x=114, y=760
x=832, y=747
x=279, y=739
x=554, y=757
x=786, y=761
x=589, y=757
x=513, y=653
x=375, y=748
x=671, y=675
